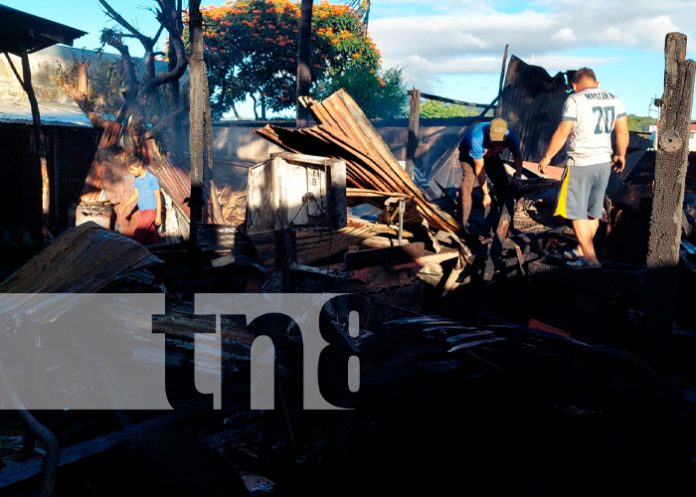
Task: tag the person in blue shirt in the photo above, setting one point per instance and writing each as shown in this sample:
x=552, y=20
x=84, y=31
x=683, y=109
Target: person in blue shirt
x=479, y=154
x=149, y=200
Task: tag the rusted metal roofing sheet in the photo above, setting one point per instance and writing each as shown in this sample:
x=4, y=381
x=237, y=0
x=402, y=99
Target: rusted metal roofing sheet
x=85, y=259
x=345, y=132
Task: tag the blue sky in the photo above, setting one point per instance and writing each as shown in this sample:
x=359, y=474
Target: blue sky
x=454, y=47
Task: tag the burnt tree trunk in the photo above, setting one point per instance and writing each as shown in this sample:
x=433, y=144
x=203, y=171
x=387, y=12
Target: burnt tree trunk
x=304, y=51
x=671, y=162
x=200, y=130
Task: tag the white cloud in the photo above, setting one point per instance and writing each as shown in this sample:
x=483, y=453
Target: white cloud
x=564, y=35
x=471, y=39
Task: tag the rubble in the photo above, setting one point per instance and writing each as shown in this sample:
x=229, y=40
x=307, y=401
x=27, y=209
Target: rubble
x=475, y=363
x=373, y=173
x=344, y=131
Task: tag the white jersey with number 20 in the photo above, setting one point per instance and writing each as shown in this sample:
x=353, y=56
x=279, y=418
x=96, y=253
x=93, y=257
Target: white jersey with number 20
x=595, y=112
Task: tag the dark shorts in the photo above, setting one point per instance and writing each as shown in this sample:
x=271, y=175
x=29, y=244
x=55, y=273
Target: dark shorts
x=582, y=191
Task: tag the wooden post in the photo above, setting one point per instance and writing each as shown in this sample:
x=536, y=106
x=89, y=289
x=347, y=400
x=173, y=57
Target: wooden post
x=174, y=92
x=671, y=162
x=304, y=50
x=413, y=130
x=200, y=133
x=502, y=70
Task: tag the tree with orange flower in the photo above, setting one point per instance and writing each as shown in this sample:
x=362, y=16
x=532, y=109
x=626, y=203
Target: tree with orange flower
x=251, y=50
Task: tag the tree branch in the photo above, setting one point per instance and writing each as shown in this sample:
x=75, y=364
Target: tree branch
x=109, y=10
x=114, y=38
x=168, y=18
x=157, y=35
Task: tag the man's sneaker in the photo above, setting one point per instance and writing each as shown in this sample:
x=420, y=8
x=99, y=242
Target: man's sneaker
x=571, y=255
x=582, y=263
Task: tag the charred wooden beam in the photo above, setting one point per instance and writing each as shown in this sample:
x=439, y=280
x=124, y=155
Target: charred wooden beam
x=502, y=69
x=199, y=116
x=413, y=130
x=671, y=162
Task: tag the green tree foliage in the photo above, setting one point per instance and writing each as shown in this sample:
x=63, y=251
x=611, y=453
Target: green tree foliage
x=252, y=47
x=384, y=96
x=431, y=109
x=640, y=124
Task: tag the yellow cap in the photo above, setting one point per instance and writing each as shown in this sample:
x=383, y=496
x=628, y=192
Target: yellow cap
x=498, y=129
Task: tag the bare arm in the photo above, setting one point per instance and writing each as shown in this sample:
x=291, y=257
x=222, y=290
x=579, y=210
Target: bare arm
x=558, y=139
x=158, y=217
x=130, y=203
x=622, y=139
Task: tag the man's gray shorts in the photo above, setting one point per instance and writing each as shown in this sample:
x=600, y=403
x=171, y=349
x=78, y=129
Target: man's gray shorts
x=582, y=191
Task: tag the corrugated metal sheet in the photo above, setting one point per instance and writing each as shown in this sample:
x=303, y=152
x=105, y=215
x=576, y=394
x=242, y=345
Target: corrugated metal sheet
x=345, y=132
x=532, y=102
x=85, y=259
x=70, y=151
x=52, y=113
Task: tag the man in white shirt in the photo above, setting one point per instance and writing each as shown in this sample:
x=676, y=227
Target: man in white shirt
x=590, y=115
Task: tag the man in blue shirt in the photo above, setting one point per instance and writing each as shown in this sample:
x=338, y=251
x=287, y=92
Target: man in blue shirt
x=147, y=194
x=479, y=154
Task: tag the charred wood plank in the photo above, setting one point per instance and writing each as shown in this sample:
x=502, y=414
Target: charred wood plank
x=390, y=256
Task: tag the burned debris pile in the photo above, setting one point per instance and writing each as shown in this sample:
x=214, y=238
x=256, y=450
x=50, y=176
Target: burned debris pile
x=375, y=177
x=344, y=131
